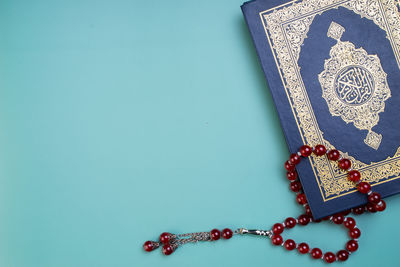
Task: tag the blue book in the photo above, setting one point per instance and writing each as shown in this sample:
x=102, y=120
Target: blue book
x=333, y=68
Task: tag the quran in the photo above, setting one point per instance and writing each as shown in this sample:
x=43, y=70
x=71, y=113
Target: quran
x=333, y=69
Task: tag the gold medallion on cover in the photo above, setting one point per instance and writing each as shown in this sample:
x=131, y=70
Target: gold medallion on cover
x=354, y=85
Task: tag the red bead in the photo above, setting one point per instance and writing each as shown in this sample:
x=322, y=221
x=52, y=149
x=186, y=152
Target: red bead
x=308, y=210
x=349, y=223
x=338, y=218
x=359, y=210
x=355, y=233
x=352, y=245
x=215, y=234
x=227, y=233
x=290, y=244
x=295, y=186
x=303, y=248
x=333, y=155
x=303, y=219
x=342, y=255
x=326, y=218
x=374, y=198
x=320, y=150
x=370, y=207
x=165, y=238
x=380, y=206
x=278, y=228
x=290, y=222
x=364, y=187
x=167, y=249
x=354, y=176
x=291, y=175
x=277, y=240
x=294, y=159
x=305, y=151
x=289, y=167
x=344, y=164
x=149, y=246
x=346, y=212
x=316, y=253
x=301, y=199
x=329, y=257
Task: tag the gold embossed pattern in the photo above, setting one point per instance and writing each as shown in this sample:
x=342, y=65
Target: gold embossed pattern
x=286, y=28
x=354, y=85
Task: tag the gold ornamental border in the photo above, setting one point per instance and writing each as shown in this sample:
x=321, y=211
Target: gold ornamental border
x=286, y=27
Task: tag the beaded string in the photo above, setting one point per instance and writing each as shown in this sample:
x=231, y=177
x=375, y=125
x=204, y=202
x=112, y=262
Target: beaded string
x=170, y=242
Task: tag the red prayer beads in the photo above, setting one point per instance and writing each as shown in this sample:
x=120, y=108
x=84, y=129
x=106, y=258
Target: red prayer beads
x=277, y=240
x=342, y=255
x=363, y=187
x=305, y=151
x=370, y=207
x=319, y=150
x=150, y=246
x=358, y=210
x=301, y=199
x=374, y=198
x=329, y=257
x=227, y=233
x=381, y=206
x=303, y=248
x=291, y=175
x=171, y=241
x=290, y=244
x=215, y=234
x=165, y=238
x=303, y=219
x=278, y=228
x=352, y=245
x=333, y=155
x=344, y=164
x=355, y=233
x=316, y=253
x=167, y=249
x=294, y=159
x=349, y=223
x=354, y=176
x=295, y=186
x=290, y=222
x=375, y=203
x=338, y=218
x=289, y=166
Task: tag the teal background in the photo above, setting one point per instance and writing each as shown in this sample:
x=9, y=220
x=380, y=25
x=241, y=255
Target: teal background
x=123, y=119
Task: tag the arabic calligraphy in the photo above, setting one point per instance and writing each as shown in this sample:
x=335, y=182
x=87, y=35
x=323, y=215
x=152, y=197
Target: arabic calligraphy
x=354, y=85
x=385, y=15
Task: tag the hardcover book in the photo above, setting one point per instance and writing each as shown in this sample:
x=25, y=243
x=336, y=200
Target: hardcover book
x=333, y=68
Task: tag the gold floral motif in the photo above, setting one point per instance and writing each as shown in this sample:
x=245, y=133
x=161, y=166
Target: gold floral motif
x=354, y=85
x=335, y=31
x=373, y=140
x=286, y=38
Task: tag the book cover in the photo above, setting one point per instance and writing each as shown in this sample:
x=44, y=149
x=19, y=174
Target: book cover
x=333, y=68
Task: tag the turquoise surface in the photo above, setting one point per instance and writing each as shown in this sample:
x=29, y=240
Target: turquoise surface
x=123, y=119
